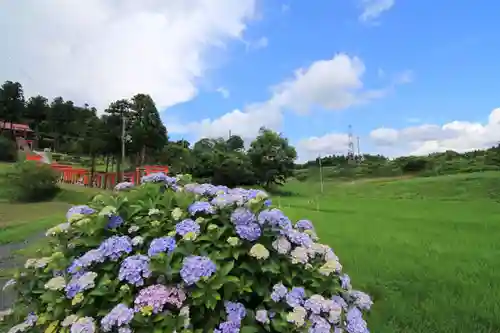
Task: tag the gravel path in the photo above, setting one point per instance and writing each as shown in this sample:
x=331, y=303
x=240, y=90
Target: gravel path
x=9, y=260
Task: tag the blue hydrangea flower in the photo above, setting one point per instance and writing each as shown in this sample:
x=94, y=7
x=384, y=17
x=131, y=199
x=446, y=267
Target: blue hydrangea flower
x=186, y=226
x=120, y=315
x=250, y=232
x=162, y=244
x=114, y=221
x=85, y=261
x=319, y=324
x=135, y=269
x=80, y=283
x=303, y=225
x=268, y=203
x=225, y=200
x=81, y=209
x=275, y=218
x=115, y=246
x=235, y=311
x=279, y=292
x=196, y=267
x=201, y=207
x=355, y=322
x=243, y=216
x=228, y=327
x=361, y=299
x=295, y=297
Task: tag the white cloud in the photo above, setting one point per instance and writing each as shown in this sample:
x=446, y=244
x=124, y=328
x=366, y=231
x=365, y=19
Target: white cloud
x=329, y=144
x=333, y=84
x=97, y=51
x=372, y=9
x=224, y=92
x=428, y=138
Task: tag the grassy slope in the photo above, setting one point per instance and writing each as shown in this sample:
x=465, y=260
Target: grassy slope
x=425, y=248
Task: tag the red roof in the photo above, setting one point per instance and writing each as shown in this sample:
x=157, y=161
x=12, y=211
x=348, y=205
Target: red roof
x=17, y=127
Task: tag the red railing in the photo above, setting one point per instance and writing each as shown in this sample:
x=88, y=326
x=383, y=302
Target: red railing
x=81, y=176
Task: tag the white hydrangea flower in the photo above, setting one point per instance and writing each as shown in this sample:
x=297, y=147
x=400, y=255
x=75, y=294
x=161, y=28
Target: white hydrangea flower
x=87, y=280
x=233, y=241
x=108, y=210
x=75, y=217
x=297, y=316
x=69, y=320
x=300, y=255
x=331, y=266
x=199, y=220
x=133, y=229
x=259, y=251
x=282, y=245
x=154, y=211
x=42, y=262
x=56, y=283
x=19, y=328
x=137, y=240
x=184, y=312
x=60, y=228
x=30, y=263
x=177, y=214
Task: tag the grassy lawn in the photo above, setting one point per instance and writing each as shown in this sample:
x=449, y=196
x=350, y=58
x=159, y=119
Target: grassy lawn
x=426, y=249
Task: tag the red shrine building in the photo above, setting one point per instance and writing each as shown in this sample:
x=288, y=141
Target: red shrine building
x=23, y=133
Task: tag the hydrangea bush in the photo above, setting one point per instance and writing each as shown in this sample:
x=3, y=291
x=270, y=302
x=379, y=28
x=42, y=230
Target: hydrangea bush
x=173, y=256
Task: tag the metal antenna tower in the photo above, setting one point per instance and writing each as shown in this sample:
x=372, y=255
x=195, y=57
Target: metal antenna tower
x=350, y=145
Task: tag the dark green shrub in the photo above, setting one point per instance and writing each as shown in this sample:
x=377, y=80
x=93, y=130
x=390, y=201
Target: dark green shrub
x=29, y=182
x=7, y=149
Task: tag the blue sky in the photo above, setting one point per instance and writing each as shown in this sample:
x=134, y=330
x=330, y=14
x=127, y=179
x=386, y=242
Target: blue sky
x=411, y=77
x=449, y=47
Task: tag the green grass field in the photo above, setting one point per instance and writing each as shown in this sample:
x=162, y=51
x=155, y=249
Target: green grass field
x=426, y=249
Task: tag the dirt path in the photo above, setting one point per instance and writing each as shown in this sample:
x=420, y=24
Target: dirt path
x=9, y=260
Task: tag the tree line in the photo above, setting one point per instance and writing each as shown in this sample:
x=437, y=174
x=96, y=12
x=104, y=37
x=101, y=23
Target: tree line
x=79, y=130
x=369, y=165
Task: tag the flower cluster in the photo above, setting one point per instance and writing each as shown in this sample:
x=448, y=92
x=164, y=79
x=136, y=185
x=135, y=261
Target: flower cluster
x=185, y=257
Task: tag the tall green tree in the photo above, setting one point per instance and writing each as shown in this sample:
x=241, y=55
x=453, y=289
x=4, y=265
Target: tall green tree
x=11, y=102
x=272, y=158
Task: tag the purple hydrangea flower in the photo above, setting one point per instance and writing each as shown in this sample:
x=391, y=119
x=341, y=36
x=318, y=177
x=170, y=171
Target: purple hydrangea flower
x=162, y=244
x=235, y=311
x=196, y=267
x=299, y=238
x=303, y=225
x=79, y=283
x=228, y=327
x=340, y=301
x=120, y=315
x=188, y=225
x=123, y=186
x=250, y=232
x=243, y=216
x=31, y=319
x=279, y=292
x=314, y=305
x=81, y=209
x=262, y=316
x=319, y=324
x=295, y=297
x=355, y=322
x=157, y=177
x=83, y=325
x=115, y=246
x=268, y=203
x=345, y=282
x=124, y=329
x=114, y=221
x=156, y=296
x=275, y=218
x=225, y=200
x=201, y=207
x=361, y=299
x=135, y=269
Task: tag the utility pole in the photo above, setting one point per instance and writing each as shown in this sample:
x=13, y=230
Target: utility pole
x=350, y=146
x=321, y=174
x=229, y=134
x=123, y=146
x=359, y=149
